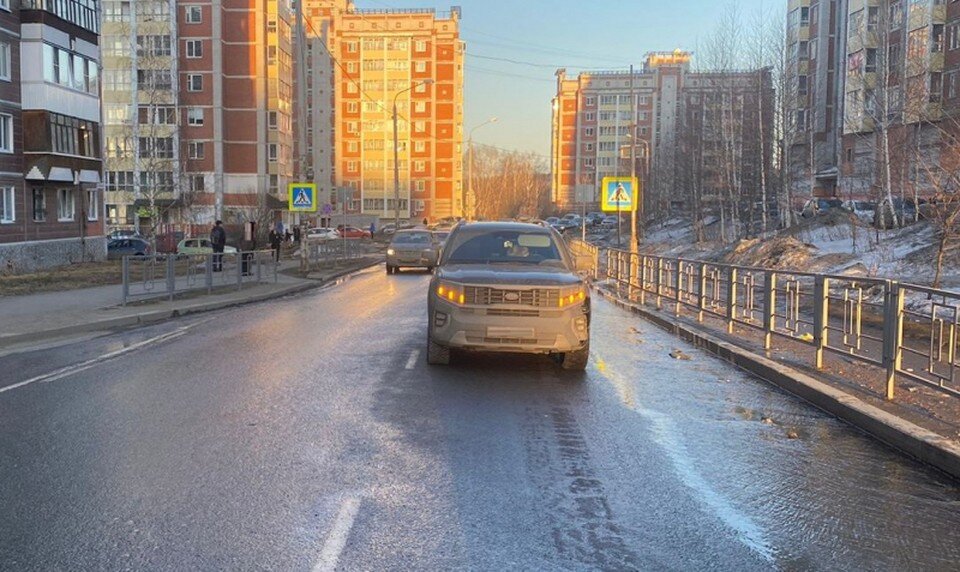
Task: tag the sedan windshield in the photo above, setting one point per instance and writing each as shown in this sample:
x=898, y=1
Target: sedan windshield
x=506, y=247
x=413, y=238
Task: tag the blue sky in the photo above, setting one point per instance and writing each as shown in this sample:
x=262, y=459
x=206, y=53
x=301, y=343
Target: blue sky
x=576, y=34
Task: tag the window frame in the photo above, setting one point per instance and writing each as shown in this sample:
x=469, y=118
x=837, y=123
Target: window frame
x=62, y=194
x=191, y=9
x=190, y=86
x=93, y=205
x=193, y=49
x=6, y=133
x=9, y=213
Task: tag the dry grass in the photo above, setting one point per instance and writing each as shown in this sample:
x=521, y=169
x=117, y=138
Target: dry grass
x=71, y=277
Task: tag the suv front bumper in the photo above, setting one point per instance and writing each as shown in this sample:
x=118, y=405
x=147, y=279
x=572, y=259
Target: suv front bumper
x=518, y=329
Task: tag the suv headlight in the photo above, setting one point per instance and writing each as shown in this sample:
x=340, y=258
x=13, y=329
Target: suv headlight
x=572, y=295
x=451, y=292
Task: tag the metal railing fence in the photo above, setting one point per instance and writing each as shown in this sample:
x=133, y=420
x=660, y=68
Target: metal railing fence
x=910, y=332
x=332, y=252
x=169, y=275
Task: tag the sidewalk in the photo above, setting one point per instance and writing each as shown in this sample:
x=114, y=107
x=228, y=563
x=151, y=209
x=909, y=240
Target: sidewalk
x=49, y=315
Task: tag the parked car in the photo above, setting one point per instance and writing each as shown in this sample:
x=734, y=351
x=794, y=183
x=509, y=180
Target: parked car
x=123, y=233
x=905, y=209
x=814, y=207
x=442, y=235
x=413, y=249
x=609, y=222
x=508, y=287
x=352, y=232
x=594, y=218
x=864, y=210
x=130, y=246
x=200, y=246
x=322, y=233
x=551, y=220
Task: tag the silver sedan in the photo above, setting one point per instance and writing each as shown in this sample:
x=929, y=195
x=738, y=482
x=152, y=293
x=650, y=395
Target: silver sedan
x=412, y=248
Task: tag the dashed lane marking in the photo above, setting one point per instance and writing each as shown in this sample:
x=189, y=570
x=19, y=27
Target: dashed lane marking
x=337, y=538
x=412, y=362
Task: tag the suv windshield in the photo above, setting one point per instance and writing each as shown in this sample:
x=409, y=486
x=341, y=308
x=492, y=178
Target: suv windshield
x=412, y=238
x=506, y=247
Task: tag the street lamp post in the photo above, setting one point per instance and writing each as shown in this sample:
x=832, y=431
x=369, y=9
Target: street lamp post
x=396, y=155
x=471, y=199
x=637, y=212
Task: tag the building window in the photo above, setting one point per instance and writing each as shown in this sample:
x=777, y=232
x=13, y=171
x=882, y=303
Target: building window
x=66, y=207
x=160, y=115
x=194, y=15
x=5, y=63
x=351, y=47
x=873, y=17
x=93, y=205
x=156, y=147
x=420, y=46
x=801, y=119
x=419, y=165
x=588, y=147
x=420, y=107
x=954, y=34
x=803, y=50
x=588, y=162
x=802, y=85
x=197, y=183
x=805, y=16
x=419, y=146
x=871, y=60
x=70, y=70
x=896, y=15
x=6, y=133
x=153, y=45
x=353, y=107
x=937, y=38
x=272, y=152
x=419, y=126
x=195, y=116
x=195, y=150
x=8, y=210
x=194, y=82
x=588, y=132
x=420, y=66
x=39, y=205
x=351, y=166
x=5, y=4
x=194, y=49
x=421, y=88
x=421, y=185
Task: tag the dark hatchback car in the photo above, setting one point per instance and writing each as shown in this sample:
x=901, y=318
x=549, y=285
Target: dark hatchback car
x=508, y=287
x=120, y=247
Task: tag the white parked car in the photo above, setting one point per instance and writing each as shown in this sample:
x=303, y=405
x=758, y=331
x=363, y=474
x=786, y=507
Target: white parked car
x=865, y=210
x=322, y=233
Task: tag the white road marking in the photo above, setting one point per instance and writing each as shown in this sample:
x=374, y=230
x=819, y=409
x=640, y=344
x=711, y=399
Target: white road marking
x=85, y=365
x=337, y=538
x=412, y=362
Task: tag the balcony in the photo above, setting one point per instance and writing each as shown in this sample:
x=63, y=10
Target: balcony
x=82, y=13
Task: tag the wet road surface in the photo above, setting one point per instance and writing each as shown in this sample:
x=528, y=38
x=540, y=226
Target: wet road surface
x=309, y=433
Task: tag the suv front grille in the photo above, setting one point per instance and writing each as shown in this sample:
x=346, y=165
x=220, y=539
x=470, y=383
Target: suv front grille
x=488, y=296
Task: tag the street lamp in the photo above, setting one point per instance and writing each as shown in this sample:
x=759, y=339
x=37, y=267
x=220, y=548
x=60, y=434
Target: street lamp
x=471, y=199
x=634, y=235
x=396, y=155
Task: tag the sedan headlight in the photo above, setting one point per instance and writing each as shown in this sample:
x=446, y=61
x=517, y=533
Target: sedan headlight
x=572, y=295
x=391, y=252
x=451, y=292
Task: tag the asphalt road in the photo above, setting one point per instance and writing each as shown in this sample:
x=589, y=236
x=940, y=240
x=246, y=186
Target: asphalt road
x=309, y=433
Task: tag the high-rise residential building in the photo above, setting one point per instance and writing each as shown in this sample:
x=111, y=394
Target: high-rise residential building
x=872, y=96
x=659, y=116
x=198, y=100
x=815, y=67
x=50, y=157
x=411, y=58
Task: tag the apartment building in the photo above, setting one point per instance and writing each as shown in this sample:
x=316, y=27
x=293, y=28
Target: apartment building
x=658, y=115
x=198, y=100
x=875, y=99
x=50, y=156
x=411, y=58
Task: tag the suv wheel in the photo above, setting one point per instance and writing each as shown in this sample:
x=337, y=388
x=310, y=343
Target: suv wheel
x=577, y=359
x=437, y=354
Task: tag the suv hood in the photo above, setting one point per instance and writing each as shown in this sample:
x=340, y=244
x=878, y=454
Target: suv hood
x=513, y=274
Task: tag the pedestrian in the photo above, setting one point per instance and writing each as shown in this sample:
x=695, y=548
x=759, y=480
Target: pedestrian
x=287, y=236
x=218, y=238
x=425, y=221
x=275, y=240
x=296, y=234
x=373, y=229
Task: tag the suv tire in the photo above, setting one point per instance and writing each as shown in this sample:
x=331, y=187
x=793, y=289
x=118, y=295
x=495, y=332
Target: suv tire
x=577, y=359
x=437, y=354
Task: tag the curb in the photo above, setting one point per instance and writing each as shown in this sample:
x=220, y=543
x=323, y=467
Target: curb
x=154, y=316
x=921, y=444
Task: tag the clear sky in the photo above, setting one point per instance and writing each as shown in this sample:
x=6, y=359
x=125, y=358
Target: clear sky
x=575, y=34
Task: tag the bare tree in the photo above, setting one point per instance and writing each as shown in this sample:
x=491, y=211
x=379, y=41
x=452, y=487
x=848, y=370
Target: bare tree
x=508, y=183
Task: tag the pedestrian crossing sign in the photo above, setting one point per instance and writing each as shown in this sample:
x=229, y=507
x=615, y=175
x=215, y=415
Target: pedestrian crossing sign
x=619, y=194
x=302, y=197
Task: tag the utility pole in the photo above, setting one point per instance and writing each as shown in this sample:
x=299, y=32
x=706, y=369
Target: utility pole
x=634, y=243
x=396, y=155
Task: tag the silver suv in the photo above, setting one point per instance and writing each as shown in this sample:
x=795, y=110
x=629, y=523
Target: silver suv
x=508, y=287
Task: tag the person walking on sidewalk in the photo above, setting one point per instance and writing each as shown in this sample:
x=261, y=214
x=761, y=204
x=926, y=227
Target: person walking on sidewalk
x=218, y=238
x=275, y=240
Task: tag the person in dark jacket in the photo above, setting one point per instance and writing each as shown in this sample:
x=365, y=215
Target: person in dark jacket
x=275, y=240
x=218, y=238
